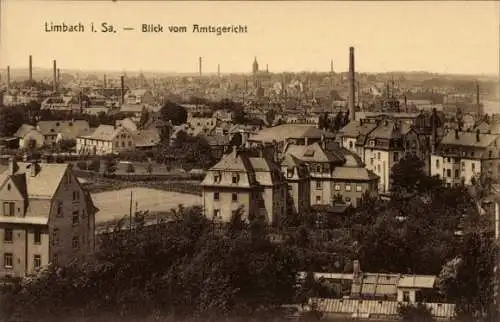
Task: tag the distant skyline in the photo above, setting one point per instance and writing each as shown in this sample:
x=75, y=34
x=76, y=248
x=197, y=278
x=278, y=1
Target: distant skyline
x=437, y=37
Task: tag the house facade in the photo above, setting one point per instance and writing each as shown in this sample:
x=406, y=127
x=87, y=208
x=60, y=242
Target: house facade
x=47, y=217
x=106, y=139
x=254, y=184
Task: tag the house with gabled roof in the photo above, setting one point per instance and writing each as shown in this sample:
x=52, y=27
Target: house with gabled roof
x=55, y=131
x=239, y=180
x=106, y=139
x=29, y=137
x=47, y=217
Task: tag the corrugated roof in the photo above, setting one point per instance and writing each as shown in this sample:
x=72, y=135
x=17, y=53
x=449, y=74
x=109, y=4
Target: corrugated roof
x=373, y=307
x=417, y=281
x=287, y=131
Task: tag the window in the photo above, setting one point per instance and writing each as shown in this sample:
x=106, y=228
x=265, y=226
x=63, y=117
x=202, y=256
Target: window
x=318, y=199
x=350, y=145
x=371, y=161
x=55, y=236
x=235, y=178
x=378, y=156
x=234, y=197
x=359, y=188
x=8, y=209
x=76, y=195
x=448, y=173
x=337, y=187
x=216, y=196
x=319, y=185
x=289, y=173
x=457, y=173
x=406, y=296
x=473, y=167
x=217, y=178
x=59, y=208
x=7, y=260
x=75, y=242
x=8, y=235
x=216, y=213
x=8, y=187
x=76, y=217
x=37, y=237
x=396, y=157
x=37, y=261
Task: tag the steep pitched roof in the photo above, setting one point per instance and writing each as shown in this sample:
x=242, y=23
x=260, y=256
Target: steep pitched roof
x=70, y=129
x=23, y=130
x=42, y=186
x=105, y=133
x=355, y=128
x=313, y=153
x=469, y=139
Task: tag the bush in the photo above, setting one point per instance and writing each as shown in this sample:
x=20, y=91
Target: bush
x=82, y=165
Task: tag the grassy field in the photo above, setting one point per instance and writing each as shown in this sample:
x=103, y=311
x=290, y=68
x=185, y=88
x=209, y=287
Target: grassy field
x=115, y=204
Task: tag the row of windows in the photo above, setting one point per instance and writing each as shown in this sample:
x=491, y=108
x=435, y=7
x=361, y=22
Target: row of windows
x=8, y=236
x=234, y=179
x=337, y=187
x=346, y=199
x=473, y=165
x=8, y=260
x=75, y=241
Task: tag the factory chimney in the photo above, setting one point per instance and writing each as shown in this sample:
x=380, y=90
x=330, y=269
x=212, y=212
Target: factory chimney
x=331, y=66
x=218, y=70
x=199, y=64
x=54, y=80
x=8, y=76
x=434, y=123
x=104, y=81
x=122, y=89
x=30, y=70
x=478, y=100
x=58, y=77
x=351, y=86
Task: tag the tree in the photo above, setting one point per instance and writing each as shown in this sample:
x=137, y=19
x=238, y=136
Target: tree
x=11, y=121
x=415, y=313
x=409, y=178
x=110, y=165
x=145, y=117
x=270, y=117
x=174, y=113
x=149, y=168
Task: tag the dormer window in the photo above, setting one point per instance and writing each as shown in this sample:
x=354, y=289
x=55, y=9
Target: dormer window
x=235, y=178
x=289, y=173
x=217, y=177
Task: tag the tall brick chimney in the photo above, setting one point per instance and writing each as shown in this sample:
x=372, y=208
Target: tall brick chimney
x=351, y=86
x=30, y=70
x=478, y=100
x=200, y=64
x=104, y=81
x=54, y=76
x=122, y=89
x=8, y=76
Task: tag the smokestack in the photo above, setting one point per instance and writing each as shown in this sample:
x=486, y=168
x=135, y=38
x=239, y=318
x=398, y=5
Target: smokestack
x=478, y=100
x=331, y=66
x=54, y=76
x=104, y=81
x=122, y=89
x=351, y=86
x=218, y=70
x=200, y=64
x=267, y=68
x=30, y=70
x=58, y=77
x=434, y=130
x=8, y=76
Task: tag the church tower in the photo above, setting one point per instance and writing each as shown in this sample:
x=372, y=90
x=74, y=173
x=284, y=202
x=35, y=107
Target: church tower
x=255, y=66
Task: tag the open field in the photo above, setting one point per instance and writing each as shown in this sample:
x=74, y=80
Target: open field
x=116, y=204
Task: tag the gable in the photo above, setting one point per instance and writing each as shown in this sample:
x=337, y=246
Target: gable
x=11, y=191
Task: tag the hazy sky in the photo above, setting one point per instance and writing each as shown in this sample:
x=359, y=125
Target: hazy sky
x=444, y=37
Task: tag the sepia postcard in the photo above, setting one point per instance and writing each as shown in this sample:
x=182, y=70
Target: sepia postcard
x=249, y=161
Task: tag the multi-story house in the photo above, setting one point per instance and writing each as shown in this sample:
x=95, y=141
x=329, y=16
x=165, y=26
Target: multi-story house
x=335, y=174
x=47, y=217
x=381, y=145
x=106, y=139
x=462, y=156
x=299, y=183
x=139, y=96
x=254, y=184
